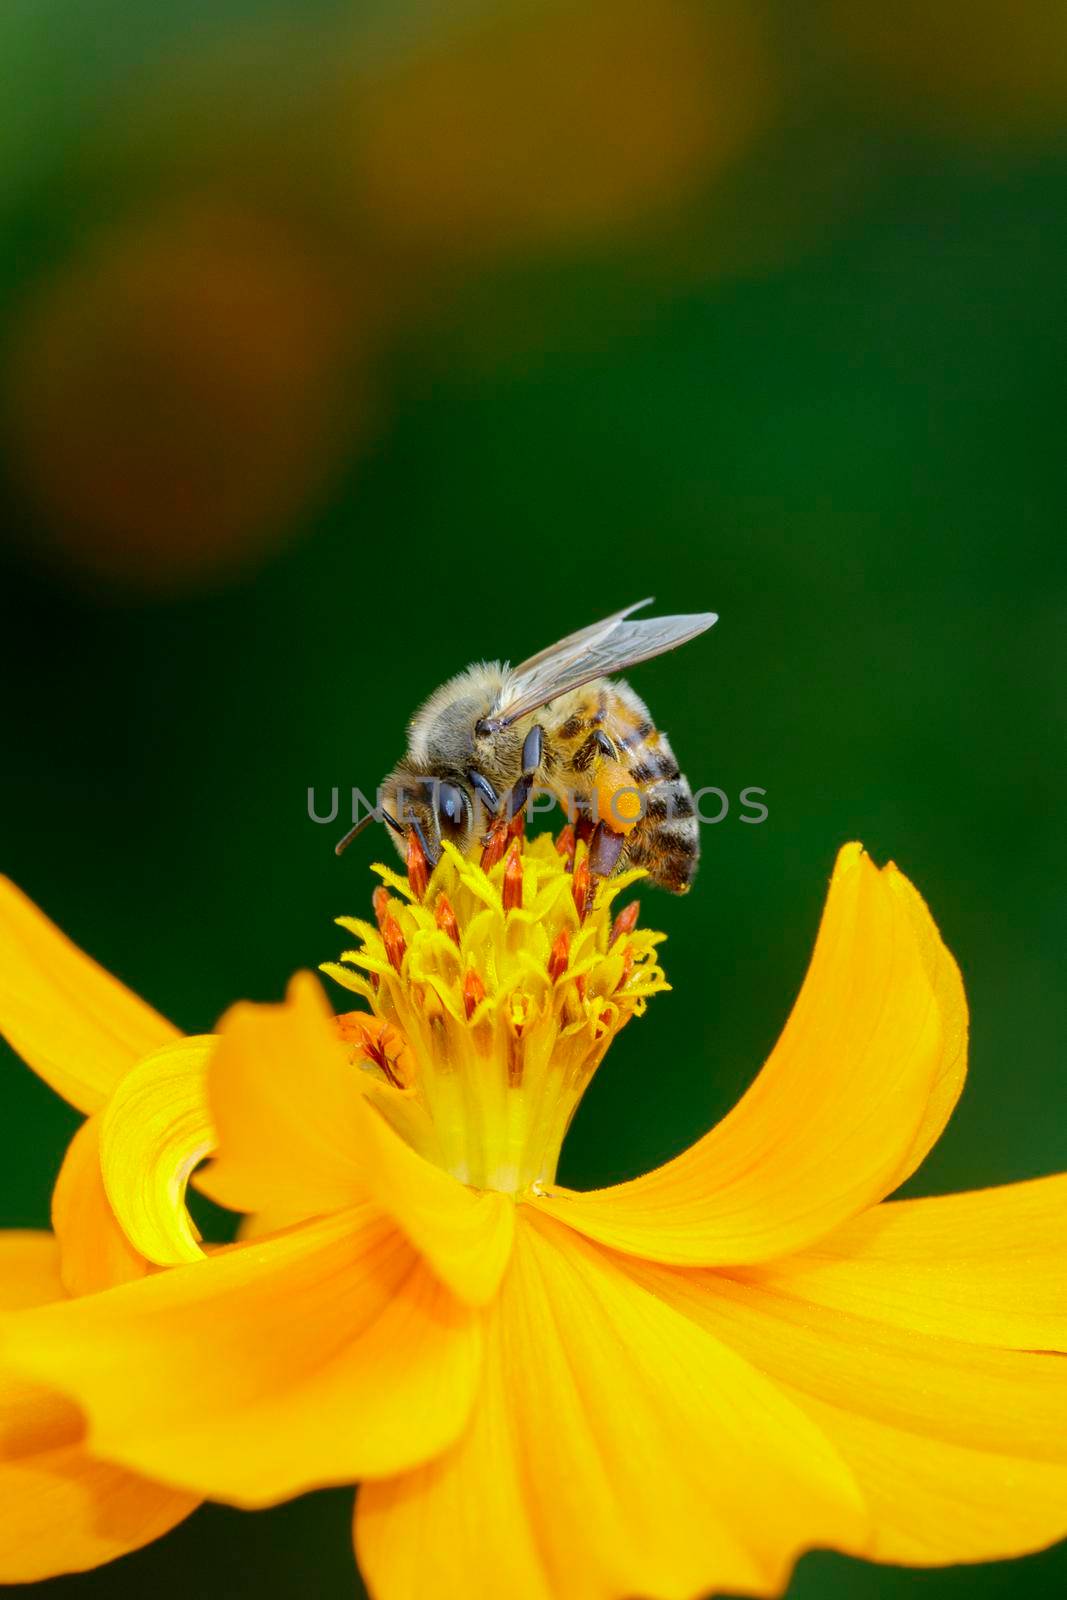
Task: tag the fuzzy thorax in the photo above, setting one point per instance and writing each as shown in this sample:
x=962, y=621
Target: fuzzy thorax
x=494, y=997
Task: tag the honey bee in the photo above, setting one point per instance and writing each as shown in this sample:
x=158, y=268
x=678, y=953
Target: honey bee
x=484, y=739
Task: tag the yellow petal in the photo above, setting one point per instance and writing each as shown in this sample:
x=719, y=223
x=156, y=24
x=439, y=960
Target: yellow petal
x=297, y=1136
x=155, y=1131
x=66, y=1512
x=989, y=1267
x=465, y=1235
x=63, y=1512
x=615, y=1449
x=94, y=1251
x=29, y=1269
x=947, y=984
x=316, y=1357
x=75, y=1025
x=285, y=1103
x=831, y=1124
x=960, y=1449
x=261, y=1224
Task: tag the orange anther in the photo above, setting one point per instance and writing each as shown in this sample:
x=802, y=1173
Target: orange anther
x=495, y=845
x=624, y=923
x=395, y=944
x=580, y=888
x=565, y=844
x=445, y=918
x=381, y=902
x=560, y=955
x=418, y=867
x=473, y=992
x=376, y=1041
x=512, y=890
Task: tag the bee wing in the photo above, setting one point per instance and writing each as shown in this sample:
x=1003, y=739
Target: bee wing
x=609, y=646
x=574, y=641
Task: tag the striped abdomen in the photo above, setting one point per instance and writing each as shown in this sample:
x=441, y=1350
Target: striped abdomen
x=665, y=841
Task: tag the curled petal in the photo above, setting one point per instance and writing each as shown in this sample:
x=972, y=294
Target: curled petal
x=322, y=1355
x=94, y=1251
x=155, y=1131
x=614, y=1449
x=75, y=1025
x=947, y=984
x=863, y=1075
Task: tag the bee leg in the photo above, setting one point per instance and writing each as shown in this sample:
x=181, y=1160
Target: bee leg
x=533, y=749
x=432, y=855
x=486, y=794
x=597, y=744
x=605, y=848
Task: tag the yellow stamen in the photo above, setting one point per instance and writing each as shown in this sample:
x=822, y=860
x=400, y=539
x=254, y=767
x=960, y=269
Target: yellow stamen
x=502, y=990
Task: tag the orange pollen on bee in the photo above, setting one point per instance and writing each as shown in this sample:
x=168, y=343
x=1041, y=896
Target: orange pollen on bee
x=624, y=923
x=393, y=939
x=418, y=867
x=445, y=918
x=618, y=801
x=473, y=992
x=511, y=894
x=559, y=955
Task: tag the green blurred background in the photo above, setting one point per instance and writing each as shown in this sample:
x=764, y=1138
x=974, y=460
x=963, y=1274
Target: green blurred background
x=345, y=343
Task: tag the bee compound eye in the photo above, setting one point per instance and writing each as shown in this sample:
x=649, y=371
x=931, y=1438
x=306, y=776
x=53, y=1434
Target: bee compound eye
x=451, y=807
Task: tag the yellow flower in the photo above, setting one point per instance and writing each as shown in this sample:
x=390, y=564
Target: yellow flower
x=668, y=1387
x=81, y=1031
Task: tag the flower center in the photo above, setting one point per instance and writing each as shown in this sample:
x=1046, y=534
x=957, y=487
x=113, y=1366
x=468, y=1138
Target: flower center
x=494, y=993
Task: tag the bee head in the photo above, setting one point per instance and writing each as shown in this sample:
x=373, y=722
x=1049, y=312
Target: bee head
x=435, y=807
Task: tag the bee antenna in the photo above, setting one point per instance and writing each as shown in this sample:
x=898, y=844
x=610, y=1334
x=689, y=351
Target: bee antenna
x=353, y=833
